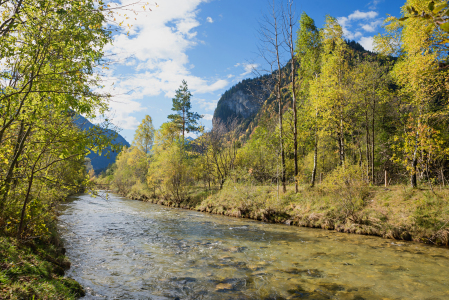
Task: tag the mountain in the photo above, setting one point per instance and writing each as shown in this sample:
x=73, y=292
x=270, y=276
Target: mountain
x=244, y=104
x=101, y=162
x=242, y=101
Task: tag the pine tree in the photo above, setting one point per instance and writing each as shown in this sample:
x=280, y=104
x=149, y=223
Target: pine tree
x=184, y=119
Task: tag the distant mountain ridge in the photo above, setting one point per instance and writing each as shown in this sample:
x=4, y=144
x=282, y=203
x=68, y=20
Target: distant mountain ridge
x=101, y=162
x=246, y=102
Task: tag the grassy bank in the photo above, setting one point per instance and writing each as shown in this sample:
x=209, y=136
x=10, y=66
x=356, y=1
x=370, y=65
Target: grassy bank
x=35, y=270
x=397, y=212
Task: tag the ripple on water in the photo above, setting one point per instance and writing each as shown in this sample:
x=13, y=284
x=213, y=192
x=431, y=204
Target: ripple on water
x=122, y=249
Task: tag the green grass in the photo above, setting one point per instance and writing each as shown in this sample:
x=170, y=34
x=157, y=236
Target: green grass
x=34, y=270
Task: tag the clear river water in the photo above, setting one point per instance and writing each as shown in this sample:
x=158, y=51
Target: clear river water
x=125, y=249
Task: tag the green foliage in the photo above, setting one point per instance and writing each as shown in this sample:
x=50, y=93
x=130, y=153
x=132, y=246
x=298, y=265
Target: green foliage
x=256, y=157
x=170, y=170
x=130, y=169
x=50, y=51
x=184, y=119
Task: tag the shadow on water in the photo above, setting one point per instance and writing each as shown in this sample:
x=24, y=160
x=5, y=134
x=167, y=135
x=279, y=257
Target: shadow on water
x=123, y=249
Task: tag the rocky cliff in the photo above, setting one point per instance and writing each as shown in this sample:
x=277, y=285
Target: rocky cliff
x=242, y=101
x=246, y=102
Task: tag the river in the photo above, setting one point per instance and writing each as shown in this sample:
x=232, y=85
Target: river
x=125, y=249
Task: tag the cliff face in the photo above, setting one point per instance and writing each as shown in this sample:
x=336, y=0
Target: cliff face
x=243, y=104
x=101, y=162
x=246, y=101
x=242, y=101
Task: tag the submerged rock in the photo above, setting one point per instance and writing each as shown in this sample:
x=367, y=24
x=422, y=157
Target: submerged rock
x=223, y=287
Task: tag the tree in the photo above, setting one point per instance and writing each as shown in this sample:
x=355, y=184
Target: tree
x=369, y=89
x=437, y=14
x=420, y=72
x=331, y=85
x=289, y=23
x=308, y=51
x=144, y=136
x=184, y=119
x=271, y=51
x=169, y=169
x=50, y=52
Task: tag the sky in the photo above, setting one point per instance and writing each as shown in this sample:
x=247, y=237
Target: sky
x=212, y=44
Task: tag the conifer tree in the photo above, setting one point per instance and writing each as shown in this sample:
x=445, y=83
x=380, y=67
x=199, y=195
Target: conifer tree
x=184, y=119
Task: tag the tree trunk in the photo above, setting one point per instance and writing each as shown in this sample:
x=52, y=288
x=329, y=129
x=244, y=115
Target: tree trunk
x=279, y=98
x=281, y=139
x=413, y=180
x=315, y=160
x=315, y=154
x=368, y=162
x=372, y=142
x=295, y=117
x=295, y=127
x=183, y=125
x=25, y=203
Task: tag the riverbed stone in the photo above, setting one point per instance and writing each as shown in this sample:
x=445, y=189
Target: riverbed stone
x=223, y=287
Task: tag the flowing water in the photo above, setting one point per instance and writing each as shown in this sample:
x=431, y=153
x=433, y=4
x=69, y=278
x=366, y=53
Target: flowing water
x=124, y=249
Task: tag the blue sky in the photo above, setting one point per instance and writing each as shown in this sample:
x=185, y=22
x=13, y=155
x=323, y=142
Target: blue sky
x=212, y=44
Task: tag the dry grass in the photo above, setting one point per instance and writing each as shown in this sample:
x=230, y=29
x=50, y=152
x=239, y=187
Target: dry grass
x=397, y=212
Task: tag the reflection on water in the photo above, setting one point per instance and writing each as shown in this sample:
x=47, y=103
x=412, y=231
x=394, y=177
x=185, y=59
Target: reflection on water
x=124, y=249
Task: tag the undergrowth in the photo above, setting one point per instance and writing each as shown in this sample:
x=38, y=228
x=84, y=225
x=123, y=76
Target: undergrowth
x=34, y=269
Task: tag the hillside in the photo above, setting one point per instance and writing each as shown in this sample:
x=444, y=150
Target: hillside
x=249, y=100
x=242, y=101
x=101, y=162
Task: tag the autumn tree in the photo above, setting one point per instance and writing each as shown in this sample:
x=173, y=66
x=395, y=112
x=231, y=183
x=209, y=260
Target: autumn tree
x=308, y=52
x=370, y=89
x=331, y=86
x=144, y=136
x=421, y=73
x=51, y=52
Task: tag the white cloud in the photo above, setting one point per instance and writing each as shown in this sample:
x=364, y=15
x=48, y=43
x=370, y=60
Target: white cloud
x=206, y=105
x=249, y=68
x=208, y=117
x=367, y=43
x=359, y=15
x=374, y=3
x=371, y=27
x=345, y=22
x=209, y=19
x=363, y=21
x=157, y=44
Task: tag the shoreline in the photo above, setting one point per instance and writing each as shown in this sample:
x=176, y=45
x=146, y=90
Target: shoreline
x=364, y=225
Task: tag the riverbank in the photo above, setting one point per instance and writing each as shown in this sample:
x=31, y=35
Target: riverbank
x=396, y=212
x=35, y=270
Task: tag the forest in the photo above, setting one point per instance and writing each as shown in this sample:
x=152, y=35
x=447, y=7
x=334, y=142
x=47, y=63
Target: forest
x=346, y=139
x=50, y=54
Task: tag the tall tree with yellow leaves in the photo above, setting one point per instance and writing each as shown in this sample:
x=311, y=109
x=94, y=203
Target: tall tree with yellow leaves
x=329, y=90
x=421, y=72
